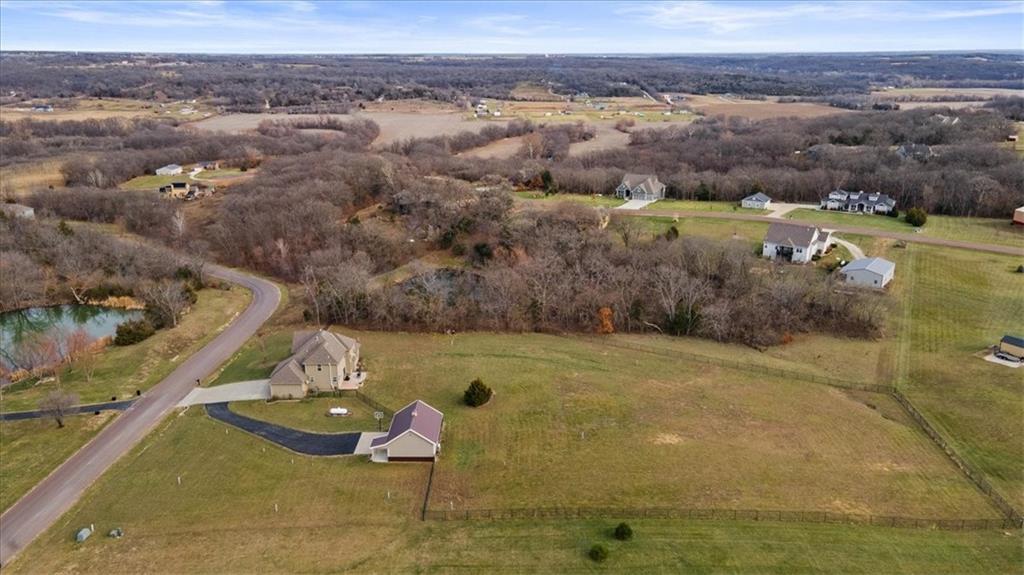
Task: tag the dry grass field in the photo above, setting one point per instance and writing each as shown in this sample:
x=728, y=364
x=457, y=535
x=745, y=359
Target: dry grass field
x=100, y=108
x=20, y=179
x=714, y=105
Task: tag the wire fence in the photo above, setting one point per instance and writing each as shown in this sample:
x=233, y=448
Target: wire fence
x=376, y=405
x=714, y=515
x=973, y=474
x=757, y=368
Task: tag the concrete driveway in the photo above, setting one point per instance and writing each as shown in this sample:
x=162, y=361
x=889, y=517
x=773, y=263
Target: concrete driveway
x=780, y=209
x=855, y=251
x=635, y=205
x=241, y=391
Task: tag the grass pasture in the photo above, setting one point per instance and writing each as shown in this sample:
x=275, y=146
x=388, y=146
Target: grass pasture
x=311, y=414
x=102, y=108
x=31, y=449
x=982, y=230
x=154, y=182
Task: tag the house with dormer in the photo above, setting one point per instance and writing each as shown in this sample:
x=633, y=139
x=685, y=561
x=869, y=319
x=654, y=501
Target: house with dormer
x=858, y=202
x=321, y=361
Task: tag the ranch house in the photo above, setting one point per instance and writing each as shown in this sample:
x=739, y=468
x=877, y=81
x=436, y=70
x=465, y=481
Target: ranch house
x=414, y=435
x=640, y=187
x=321, y=361
x=756, y=201
x=860, y=202
x=795, y=243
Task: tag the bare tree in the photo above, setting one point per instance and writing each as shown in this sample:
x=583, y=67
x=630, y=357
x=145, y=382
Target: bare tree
x=81, y=350
x=58, y=404
x=167, y=299
x=629, y=229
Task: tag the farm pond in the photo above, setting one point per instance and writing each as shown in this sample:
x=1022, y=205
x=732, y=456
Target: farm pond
x=23, y=330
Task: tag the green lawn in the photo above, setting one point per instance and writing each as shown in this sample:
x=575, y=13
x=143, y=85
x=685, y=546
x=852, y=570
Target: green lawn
x=345, y=514
x=122, y=370
x=608, y=201
x=311, y=414
x=219, y=174
x=695, y=206
x=955, y=304
x=982, y=230
x=30, y=450
x=153, y=182
x=751, y=233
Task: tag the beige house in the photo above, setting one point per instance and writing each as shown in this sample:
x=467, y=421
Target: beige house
x=414, y=435
x=321, y=361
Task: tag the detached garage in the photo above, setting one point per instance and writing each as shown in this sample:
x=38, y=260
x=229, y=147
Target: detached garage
x=1012, y=345
x=868, y=272
x=414, y=435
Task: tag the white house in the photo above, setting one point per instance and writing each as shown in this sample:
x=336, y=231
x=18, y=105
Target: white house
x=169, y=170
x=863, y=202
x=640, y=187
x=414, y=435
x=868, y=272
x=756, y=201
x=795, y=243
x=17, y=211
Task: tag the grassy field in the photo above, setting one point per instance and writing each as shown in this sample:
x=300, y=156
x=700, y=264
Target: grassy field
x=695, y=206
x=983, y=230
x=608, y=201
x=30, y=450
x=222, y=519
x=219, y=174
x=749, y=232
x=154, y=182
x=19, y=179
x=955, y=304
x=311, y=414
x=122, y=370
x=101, y=108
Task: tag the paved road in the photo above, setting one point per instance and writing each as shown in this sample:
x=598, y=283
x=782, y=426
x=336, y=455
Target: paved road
x=293, y=439
x=88, y=408
x=875, y=232
x=42, y=506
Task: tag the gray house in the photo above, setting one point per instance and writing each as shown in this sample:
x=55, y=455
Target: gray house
x=756, y=201
x=868, y=272
x=640, y=187
x=414, y=435
x=169, y=170
x=321, y=361
x=863, y=202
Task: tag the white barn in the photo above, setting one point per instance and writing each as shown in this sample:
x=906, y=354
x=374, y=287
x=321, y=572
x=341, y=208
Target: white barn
x=169, y=170
x=868, y=272
x=795, y=243
x=756, y=201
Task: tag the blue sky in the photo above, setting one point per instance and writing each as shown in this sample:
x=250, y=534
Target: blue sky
x=302, y=26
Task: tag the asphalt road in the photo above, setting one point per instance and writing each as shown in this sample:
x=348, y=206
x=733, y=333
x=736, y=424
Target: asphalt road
x=293, y=439
x=55, y=495
x=875, y=232
x=91, y=407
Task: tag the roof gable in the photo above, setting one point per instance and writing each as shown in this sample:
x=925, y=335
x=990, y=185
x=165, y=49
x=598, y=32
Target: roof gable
x=417, y=417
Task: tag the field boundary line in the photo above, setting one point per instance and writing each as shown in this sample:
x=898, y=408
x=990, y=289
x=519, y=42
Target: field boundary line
x=714, y=514
x=430, y=484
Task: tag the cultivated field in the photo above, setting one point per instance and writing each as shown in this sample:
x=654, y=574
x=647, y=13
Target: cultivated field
x=714, y=105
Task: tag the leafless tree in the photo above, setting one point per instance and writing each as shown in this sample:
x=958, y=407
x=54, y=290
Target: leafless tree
x=167, y=299
x=58, y=404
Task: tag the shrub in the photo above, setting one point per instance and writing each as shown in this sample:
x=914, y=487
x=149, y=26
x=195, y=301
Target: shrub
x=458, y=250
x=477, y=393
x=598, y=552
x=893, y=213
x=916, y=217
x=133, y=331
x=623, y=532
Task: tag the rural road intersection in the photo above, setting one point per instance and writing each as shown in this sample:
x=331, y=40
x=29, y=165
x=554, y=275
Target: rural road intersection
x=55, y=495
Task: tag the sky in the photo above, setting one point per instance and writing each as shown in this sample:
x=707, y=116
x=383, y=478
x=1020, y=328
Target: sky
x=358, y=27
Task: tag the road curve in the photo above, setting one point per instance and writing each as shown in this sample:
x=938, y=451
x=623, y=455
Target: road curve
x=875, y=232
x=55, y=495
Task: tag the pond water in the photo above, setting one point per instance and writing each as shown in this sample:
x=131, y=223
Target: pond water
x=26, y=327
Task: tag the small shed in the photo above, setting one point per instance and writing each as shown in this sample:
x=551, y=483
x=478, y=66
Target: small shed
x=1018, y=216
x=17, y=211
x=1012, y=345
x=868, y=272
x=414, y=435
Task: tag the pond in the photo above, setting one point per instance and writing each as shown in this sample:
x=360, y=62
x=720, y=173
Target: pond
x=28, y=327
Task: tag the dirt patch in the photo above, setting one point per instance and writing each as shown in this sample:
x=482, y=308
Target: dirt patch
x=606, y=137
x=714, y=105
x=500, y=149
x=667, y=439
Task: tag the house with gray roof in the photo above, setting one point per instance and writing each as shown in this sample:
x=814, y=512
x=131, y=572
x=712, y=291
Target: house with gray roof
x=756, y=201
x=640, y=187
x=169, y=170
x=795, y=243
x=321, y=361
x=868, y=272
x=860, y=202
x=414, y=435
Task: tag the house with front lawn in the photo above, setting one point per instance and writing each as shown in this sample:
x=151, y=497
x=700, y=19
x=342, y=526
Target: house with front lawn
x=868, y=272
x=795, y=243
x=321, y=361
x=414, y=435
x=756, y=201
x=858, y=202
x=1012, y=345
x=640, y=187
x=169, y=170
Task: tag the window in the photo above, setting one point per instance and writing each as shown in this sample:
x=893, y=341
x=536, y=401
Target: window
x=319, y=367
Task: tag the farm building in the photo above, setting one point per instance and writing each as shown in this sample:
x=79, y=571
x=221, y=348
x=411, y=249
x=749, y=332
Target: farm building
x=1012, y=345
x=756, y=201
x=868, y=272
x=321, y=361
x=1018, y=216
x=862, y=202
x=169, y=170
x=640, y=187
x=795, y=243
x=17, y=211
x=414, y=435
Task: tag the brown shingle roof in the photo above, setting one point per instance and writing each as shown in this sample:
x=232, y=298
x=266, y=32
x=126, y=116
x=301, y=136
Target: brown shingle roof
x=791, y=235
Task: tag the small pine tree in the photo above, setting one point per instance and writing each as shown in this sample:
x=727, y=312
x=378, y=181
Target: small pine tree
x=598, y=552
x=477, y=393
x=672, y=233
x=548, y=182
x=916, y=217
x=623, y=532
x=65, y=229
x=703, y=193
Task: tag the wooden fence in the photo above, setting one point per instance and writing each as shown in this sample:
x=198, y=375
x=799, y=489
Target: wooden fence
x=714, y=515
